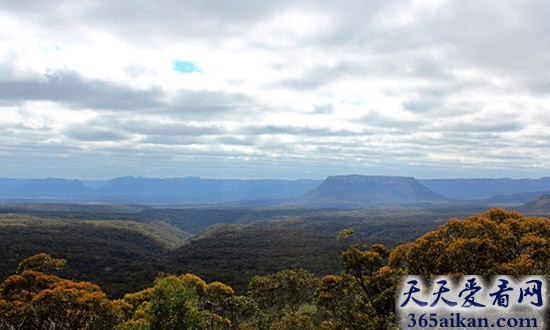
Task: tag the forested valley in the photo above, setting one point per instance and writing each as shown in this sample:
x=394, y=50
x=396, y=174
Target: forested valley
x=133, y=267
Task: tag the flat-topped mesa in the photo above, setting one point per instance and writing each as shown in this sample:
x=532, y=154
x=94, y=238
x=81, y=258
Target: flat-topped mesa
x=361, y=191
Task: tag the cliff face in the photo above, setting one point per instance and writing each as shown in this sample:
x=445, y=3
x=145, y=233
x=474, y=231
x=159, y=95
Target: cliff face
x=363, y=191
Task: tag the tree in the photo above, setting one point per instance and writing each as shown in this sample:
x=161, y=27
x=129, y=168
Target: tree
x=130, y=310
x=285, y=290
x=496, y=242
x=174, y=305
x=363, y=297
x=182, y=302
x=294, y=321
x=281, y=293
x=73, y=305
x=34, y=300
x=41, y=262
x=217, y=297
x=239, y=310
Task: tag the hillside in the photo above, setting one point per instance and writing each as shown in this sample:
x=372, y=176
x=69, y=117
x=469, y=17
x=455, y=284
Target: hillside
x=354, y=191
x=539, y=207
x=126, y=251
x=290, y=268
x=234, y=253
x=513, y=200
x=194, y=220
x=120, y=255
x=483, y=188
x=64, y=208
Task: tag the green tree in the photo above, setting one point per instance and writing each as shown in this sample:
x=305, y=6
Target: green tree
x=285, y=290
x=281, y=293
x=182, y=302
x=241, y=311
x=130, y=310
x=363, y=297
x=174, y=305
x=217, y=298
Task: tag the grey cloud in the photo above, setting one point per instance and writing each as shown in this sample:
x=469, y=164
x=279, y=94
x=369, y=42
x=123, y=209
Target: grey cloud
x=417, y=64
x=153, y=127
x=431, y=101
x=323, y=75
x=426, y=67
x=203, y=104
x=377, y=119
x=75, y=92
x=499, y=123
x=154, y=21
x=237, y=140
x=484, y=121
x=24, y=139
x=172, y=140
x=508, y=39
x=424, y=106
x=71, y=89
x=539, y=87
x=151, y=131
x=506, y=36
x=326, y=108
x=22, y=126
x=87, y=133
x=205, y=141
x=290, y=130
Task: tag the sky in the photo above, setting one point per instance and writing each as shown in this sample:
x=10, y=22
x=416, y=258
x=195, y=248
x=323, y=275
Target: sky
x=97, y=89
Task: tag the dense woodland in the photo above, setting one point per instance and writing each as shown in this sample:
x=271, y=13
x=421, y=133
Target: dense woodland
x=359, y=294
x=123, y=248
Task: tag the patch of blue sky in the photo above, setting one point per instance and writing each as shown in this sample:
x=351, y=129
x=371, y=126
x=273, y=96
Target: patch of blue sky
x=186, y=67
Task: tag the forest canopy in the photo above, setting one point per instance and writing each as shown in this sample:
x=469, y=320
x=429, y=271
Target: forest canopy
x=361, y=296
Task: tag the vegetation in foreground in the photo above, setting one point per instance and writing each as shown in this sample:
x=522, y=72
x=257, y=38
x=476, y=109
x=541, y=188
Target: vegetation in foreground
x=362, y=296
x=124, y=250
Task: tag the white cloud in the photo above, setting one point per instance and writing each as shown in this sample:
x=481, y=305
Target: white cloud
x=423, y=88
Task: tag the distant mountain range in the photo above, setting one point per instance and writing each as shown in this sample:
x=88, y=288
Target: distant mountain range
x=177, y=191
x=474, y=189
x=349, y=191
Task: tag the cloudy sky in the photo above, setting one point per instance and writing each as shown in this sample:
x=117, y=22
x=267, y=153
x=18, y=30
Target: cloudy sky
x=96, y=89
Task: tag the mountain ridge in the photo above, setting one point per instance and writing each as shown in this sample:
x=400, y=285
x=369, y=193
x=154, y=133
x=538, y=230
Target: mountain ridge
x=365, y=191
x=484, y=188
x=337, y=191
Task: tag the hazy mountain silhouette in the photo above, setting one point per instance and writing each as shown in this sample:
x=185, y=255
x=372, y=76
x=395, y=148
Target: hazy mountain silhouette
x=513, y=199
x=540, y=206
x=197, y=190
x=475, y=189
x=363, y=191
x=43, y=189
x=345, y=191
